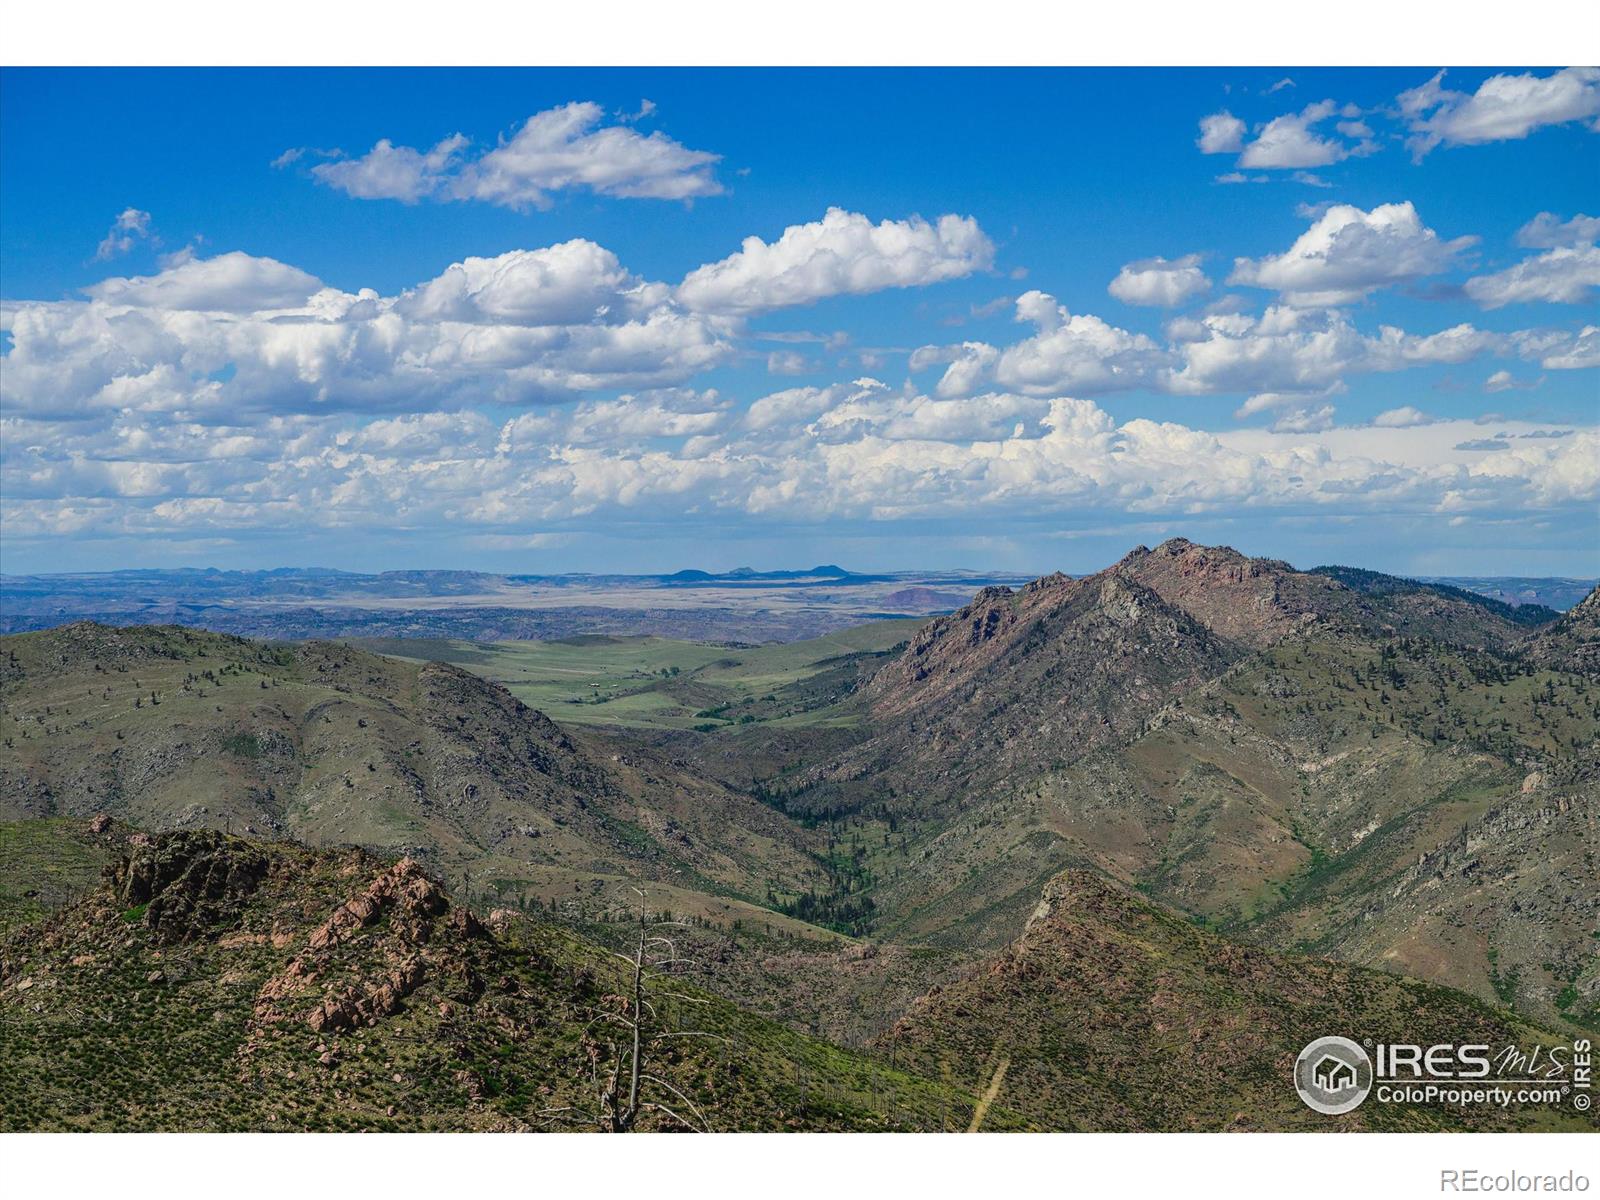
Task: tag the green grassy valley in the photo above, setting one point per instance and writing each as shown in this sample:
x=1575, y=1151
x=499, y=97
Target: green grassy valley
x=661, y=683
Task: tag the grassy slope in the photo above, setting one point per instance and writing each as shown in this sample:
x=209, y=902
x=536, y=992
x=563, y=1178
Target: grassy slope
x=1112, y=1014
x=151, y=1015
x=1402, y=805
x=1277, y=803
x=45, y=864
x=177, y=996
x=174, y=728
x=1290, y=802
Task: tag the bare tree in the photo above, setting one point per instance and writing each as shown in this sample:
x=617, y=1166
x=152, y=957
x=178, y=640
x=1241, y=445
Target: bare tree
x=626, y=1036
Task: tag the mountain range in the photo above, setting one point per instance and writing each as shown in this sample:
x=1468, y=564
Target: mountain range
x=1040, y=864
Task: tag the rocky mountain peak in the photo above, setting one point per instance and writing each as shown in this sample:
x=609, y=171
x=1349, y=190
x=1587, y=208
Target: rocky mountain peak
x=1252, y=601
x=1052, y=582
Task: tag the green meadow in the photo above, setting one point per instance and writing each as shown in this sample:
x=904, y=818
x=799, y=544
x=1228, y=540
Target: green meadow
x=661, y=683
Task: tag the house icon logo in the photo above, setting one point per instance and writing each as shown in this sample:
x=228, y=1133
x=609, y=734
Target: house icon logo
x=1333, y=1075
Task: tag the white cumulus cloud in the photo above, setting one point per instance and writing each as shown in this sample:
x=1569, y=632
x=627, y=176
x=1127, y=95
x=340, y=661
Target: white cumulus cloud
x=1067, y=352
x=1505, y=107
x=131, y=227
x=1291, y=141
x=842, y=254
x=1160, y=282
x=1404, y=417
x=851, y=451
x=1547, y=231
x=390, y=172
x=241, y=334
x=1347, y=254
x=1564, y=275
x=1297, y=350
x=1221, y=133
x=556, y=150
x=233, y=282
x=567, y=284
x=1567, y=352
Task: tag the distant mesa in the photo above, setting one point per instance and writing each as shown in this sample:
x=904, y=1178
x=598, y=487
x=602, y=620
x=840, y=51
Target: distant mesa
x=750, y=575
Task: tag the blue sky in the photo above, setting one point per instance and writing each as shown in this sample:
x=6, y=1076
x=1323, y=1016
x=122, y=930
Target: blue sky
x=1364, y=343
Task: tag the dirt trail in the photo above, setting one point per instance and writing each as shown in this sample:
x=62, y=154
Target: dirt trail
x=989, y=1093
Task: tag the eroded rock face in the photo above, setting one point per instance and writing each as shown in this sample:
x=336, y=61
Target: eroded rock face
x=187, y=881
x=403, y=889
x=1252, y=601
x=1022, y=681
x=352, y=1007
x=365, y=972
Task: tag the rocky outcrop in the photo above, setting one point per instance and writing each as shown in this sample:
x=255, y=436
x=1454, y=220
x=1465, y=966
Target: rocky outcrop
x=1251, y=601
x=352, y=1006
x=370, y=953
x=1256, y=602
x=186, y=882
x=1019, y=681
x=403, y=890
